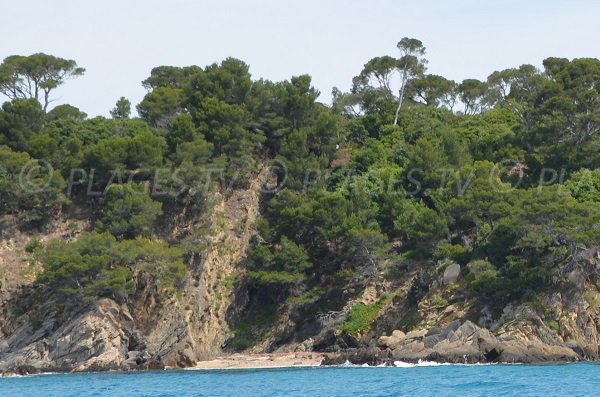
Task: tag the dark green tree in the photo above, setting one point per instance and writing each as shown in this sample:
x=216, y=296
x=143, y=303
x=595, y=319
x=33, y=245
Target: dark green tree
x=128, y=211
x=35, y=76
x=122, y=109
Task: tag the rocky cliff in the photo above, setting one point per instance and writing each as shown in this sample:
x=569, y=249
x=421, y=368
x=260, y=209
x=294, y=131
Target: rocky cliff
x=413, y=320
x=148, y=331
x=445, y=327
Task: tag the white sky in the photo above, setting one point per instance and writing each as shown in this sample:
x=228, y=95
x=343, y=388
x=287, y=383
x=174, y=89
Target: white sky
x=119, y=41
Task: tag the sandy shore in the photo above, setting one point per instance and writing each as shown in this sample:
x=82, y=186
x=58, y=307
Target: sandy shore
x=270, y=360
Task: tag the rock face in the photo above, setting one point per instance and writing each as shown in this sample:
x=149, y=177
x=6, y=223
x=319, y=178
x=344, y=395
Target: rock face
x=563, y=326
x=142, y=334
x=459, y=342
x=96, y=340
x=195, y=328
x=152, y=331
x=469, y=343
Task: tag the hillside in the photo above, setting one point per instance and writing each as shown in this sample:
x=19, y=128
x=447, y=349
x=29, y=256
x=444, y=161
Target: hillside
x=413, y=218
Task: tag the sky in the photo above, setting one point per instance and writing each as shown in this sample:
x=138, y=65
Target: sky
x=120, y=41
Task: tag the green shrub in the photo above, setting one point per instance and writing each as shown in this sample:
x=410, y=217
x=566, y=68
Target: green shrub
x=553, y=325
x=97, y=265
x=127, y=211
x=256, y=326
x=361, y=317
x=409, y=320
x=33, y=245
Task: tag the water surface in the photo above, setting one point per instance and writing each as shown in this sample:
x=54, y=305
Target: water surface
x=426, y=380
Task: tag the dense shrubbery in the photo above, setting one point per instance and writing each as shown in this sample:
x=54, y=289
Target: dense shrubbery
x=499, y=175
x=97, y=265
x=127, y=211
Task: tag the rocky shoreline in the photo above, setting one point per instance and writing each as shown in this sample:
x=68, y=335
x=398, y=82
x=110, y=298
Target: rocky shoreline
x=107, y=338
x=464, y=343
x=459, y=342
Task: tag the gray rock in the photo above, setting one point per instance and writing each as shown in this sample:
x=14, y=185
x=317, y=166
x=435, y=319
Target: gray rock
x=393, y=341
x=470, y=343
x=432, y=340
x=451, y=274
x=453, y=326
x=95, y=340
x=417, y=334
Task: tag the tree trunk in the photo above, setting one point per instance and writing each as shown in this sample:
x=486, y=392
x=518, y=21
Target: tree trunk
x=400, y=99
x=46, y=99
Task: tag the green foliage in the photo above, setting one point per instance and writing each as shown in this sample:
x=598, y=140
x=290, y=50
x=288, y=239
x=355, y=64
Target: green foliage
x=484, y=277
x=275, y=277
x=15, y=311
x=361, y=317
x=158, y=258
x=128, y=211
x=382, y=181
x=29, y=188
x=122, y=109
x=454, y=252
x=86, y=265
x=20, y=121
x=33, y=246
x=409, y=320
x=160, y=105
x=434, y=90
x=65, y=112
x=553, y=325
x=127, y=145
x=285, y=264
x=416, y=221
x=254, y=328
x=306, y=298
x=35, y=76
x=97, y=265
x=584, y=185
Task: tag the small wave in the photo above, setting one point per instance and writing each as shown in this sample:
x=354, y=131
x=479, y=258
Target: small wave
x=424, y=363
x=348, y=364
x=397, y=364
x=13, y=376
x=420, y=363
x=29, y=375
x=402, y=364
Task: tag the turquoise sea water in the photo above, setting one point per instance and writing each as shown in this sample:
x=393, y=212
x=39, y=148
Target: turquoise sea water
x=438, y=381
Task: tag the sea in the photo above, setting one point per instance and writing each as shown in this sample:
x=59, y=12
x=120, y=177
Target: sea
x=423, y=379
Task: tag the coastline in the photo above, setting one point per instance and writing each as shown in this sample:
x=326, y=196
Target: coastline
x=264, y=360
x=251, y=361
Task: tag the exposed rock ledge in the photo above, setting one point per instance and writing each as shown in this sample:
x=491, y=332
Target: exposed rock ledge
x=97, y=340
x=457, y=343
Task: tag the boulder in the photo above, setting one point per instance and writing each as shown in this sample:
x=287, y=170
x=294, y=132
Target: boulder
x=393, y=341
x=451, y=274
x=469, y=343
x=417, y=334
